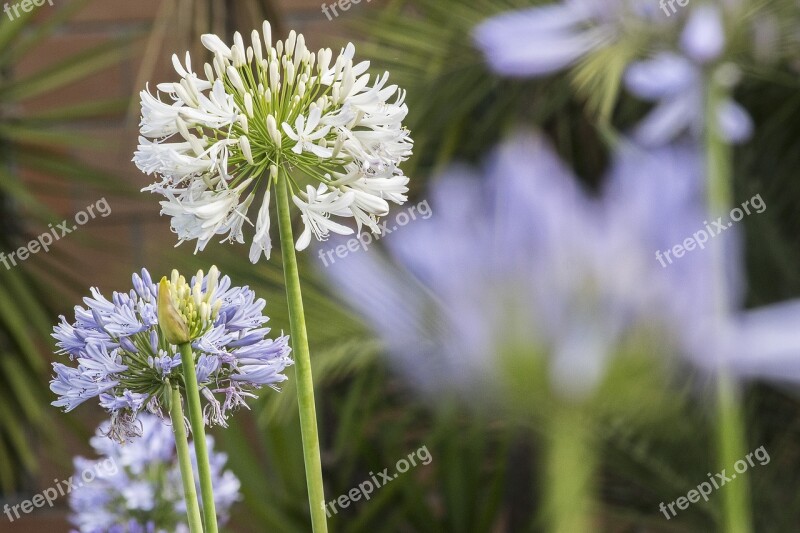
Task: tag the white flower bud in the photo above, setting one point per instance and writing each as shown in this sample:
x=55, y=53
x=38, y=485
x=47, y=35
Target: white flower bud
x=267, y=33
x=238, y=57
x=274, y=76
x=324, y=60
x=290, y=43
x=248, y=104
x=238, y=41
x=215, y=45
x=236, y=80
x=272, y=129
x=300, y=50
x=290, y=73
x=256, y=38
x=244, y=144
x=183, y=94
x=219, y=67
x=209, y=70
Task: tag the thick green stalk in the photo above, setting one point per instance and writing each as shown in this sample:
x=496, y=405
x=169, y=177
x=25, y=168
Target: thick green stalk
x=569, y=477
x=199, y=436
x=730, y=433
x=305, y=383
x=185, y=461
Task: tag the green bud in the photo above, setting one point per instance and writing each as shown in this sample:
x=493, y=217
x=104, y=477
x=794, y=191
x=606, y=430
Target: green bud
x=172, y=323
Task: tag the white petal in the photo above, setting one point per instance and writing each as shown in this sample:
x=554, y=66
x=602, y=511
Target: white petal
x=215, y=44
x=305, y=238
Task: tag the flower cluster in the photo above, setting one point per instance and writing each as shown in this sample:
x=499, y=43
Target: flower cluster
x=561, y=274
x=542, y=40
x=677, y=83
x=124, y=359
x=264, y=112
x=144, y=492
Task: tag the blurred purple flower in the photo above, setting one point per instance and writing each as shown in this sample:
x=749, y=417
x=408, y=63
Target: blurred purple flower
x=678, y=84
x=537, y=41
x=520, y=255
x=524, y=256
x=137, y=487
x=543, y=40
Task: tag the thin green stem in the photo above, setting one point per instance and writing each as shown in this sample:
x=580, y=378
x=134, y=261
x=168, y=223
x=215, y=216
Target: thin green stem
x=731, y=447
x=185, y=461
x=730, y=433
x=199, y=434
x=305, y=382
x=569, y=476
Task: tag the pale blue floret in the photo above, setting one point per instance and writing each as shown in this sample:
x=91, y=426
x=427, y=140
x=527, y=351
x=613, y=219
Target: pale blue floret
x=138, y=485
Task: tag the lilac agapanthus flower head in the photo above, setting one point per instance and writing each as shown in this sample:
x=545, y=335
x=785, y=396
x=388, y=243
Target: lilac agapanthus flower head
x=546, y=39
x=137, y=487
x=678, y=82
x=542, y=40
x=521, y=255
x=121, y=356
x=518, y=254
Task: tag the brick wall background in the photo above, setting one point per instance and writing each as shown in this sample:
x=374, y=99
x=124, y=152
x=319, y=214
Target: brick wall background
x=105, y=251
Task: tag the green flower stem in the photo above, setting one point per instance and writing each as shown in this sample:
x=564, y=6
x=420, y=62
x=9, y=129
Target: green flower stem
x=185, y=461
x=569, y=476
x=305, y=383
x=730, y=433
x=731, y=447
x=199, y=434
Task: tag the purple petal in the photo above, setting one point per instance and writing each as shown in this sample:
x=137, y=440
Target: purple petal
x=665, y=75
x=768, y=343
x=734, y=123
x=669, y=119
x=703, y=38
x=535, y=42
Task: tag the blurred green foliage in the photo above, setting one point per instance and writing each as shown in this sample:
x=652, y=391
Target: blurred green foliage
x=36, y=142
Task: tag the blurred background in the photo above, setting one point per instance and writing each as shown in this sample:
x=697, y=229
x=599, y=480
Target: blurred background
x=70, y=75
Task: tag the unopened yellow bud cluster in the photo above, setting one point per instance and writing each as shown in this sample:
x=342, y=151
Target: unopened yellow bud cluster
x=185, y=312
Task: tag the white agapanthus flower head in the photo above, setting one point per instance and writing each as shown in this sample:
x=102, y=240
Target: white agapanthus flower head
x=263, y=112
